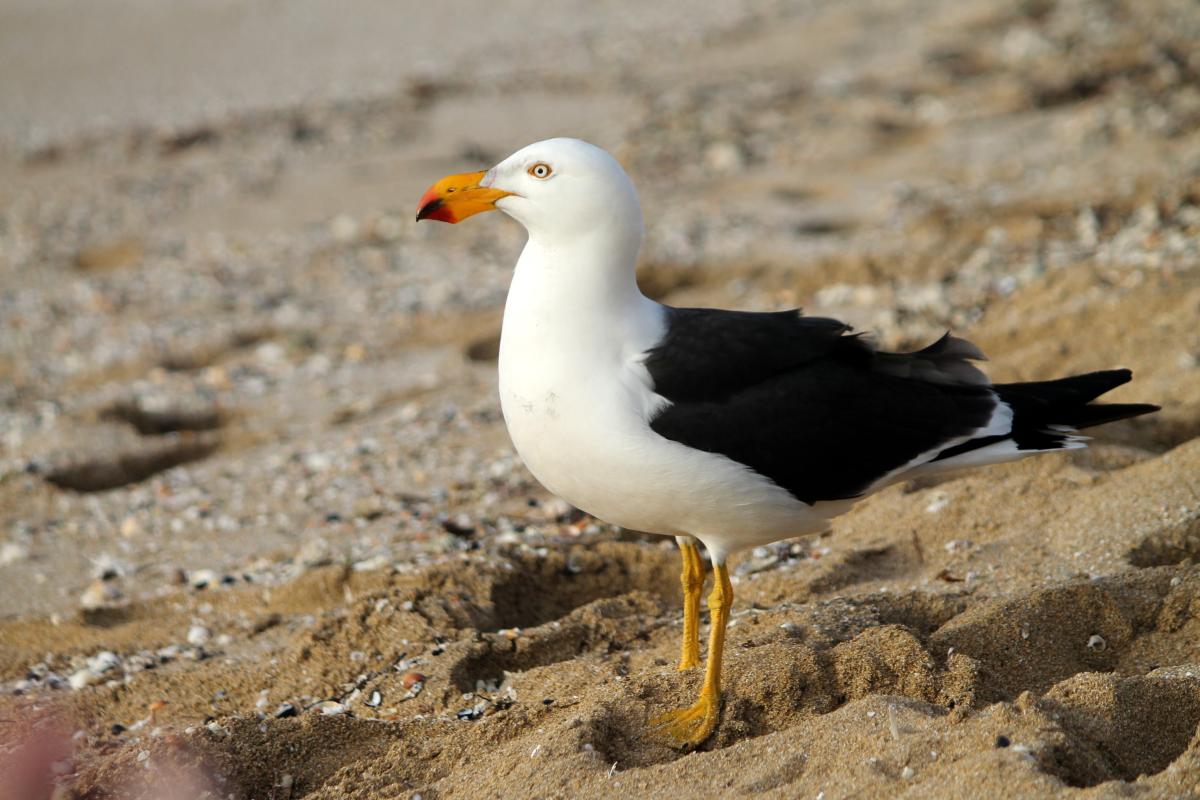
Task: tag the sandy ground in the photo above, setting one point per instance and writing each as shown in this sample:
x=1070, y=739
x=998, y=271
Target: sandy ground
x=262, y=534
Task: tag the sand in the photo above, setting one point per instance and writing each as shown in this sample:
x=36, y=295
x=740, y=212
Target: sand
x=262, y=534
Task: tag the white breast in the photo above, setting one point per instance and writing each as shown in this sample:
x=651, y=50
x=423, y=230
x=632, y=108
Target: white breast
x=577, y=401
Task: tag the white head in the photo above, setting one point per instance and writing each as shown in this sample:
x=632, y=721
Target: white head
x=556, y=188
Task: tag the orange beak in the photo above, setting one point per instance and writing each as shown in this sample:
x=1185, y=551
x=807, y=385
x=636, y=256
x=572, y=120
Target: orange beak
x=456, y=197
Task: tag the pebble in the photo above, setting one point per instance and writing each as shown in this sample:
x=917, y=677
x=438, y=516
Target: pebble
x=314, y=553
x=375, y=699
x=555, y=509
x=725, y=157
x=412, y=682
x=373, y=564
x=459, y=525
x=331, y=708
x=100, y=594
x=203, y=578
x=761, y=559
x=107, y=568
x=197, y=635
x=1096, y=642
x=343, y=228
x=11, y=553
x=939, y=501
x=318, y=462
x=472, y=713
x=103, y=661
x=82, y=678
x=369, y=507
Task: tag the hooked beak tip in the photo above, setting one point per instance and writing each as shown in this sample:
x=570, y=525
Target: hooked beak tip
x=428, y=210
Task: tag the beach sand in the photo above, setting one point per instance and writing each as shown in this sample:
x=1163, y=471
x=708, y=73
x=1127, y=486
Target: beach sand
x=262, y=533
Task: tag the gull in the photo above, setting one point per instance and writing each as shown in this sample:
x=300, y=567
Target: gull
x=732, y=429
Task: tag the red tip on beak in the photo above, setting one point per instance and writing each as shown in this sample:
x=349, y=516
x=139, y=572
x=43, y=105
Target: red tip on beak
x=456, y=197
x=432, y=206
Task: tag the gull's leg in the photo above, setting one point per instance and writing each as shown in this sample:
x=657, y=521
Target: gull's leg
x=692, y=580
x=689, y=727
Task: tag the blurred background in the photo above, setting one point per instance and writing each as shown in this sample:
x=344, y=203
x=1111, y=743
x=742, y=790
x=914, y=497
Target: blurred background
x=229, y=358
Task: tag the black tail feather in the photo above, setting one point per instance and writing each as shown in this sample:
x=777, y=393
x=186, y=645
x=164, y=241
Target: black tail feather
x=1042, y=408
x=1067, y=401
x=1046, y=412
x=1102, y=413
x=1065, y=392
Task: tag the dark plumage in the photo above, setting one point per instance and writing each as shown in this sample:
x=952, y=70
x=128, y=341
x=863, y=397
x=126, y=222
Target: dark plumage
x=823, y=414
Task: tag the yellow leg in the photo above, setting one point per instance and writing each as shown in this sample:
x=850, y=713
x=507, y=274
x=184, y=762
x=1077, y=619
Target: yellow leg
x=692, y=580
x=689, y=727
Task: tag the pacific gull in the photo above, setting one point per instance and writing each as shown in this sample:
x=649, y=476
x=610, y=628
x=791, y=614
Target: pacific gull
x=729, y=428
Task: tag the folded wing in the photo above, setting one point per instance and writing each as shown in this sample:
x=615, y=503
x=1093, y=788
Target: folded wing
x=821, y=412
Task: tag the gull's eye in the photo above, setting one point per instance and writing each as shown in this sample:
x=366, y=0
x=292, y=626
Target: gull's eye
x=540, y=170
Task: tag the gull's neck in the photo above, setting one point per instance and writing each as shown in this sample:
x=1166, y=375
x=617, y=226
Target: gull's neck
x=579, y=294
x=595, y=269
x=590, y=274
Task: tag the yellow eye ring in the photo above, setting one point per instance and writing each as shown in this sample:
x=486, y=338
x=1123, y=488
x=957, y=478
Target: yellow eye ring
x=540, y=170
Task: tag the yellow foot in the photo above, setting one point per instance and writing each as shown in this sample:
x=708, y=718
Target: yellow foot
x=686, y=663
x=689, y=727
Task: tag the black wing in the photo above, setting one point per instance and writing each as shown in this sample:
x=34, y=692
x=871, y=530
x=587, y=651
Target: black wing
x=804, y=402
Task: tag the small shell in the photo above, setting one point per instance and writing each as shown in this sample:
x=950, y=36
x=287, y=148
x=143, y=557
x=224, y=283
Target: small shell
x=331, y=708
x=413, y=682
x=203, y=578
x=82, y=678
x=103, y=661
